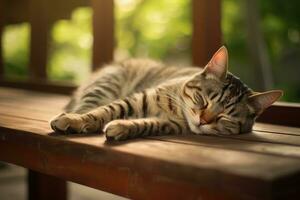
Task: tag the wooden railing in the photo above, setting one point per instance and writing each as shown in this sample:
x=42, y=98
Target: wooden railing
x=41, y=14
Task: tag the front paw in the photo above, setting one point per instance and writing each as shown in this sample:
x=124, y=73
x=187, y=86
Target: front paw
x=71, y=123
x=118, y=130
x=207, y=129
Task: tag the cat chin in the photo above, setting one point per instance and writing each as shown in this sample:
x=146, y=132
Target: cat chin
x=203, y=129
x=194, y=128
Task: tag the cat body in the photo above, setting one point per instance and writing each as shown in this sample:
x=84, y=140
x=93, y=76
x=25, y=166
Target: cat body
x=138, y=97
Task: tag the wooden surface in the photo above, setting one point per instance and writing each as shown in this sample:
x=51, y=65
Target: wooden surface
x=263, y=164
x=38, y=85
x=39, y=38
x=282, y=113
x=103, y=32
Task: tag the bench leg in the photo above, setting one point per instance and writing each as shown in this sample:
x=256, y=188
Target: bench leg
x=42, y=186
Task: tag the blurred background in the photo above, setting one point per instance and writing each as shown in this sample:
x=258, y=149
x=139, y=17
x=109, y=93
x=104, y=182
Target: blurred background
x=162, y=30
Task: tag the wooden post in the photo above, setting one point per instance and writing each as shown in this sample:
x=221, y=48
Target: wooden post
x=45, y=187
x=39, y=21
x=103, y=32
x=2, y=24
x=206, y=37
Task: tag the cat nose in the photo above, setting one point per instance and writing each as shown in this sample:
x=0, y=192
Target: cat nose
x=206, y=118
x=202, y=121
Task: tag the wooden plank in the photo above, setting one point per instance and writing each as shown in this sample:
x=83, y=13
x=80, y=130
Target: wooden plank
x=204, y=166
x=42, y=127
x=29, y=99
x=40, y=27
x=11, y=93
x=268, y=150
x=257, y=136
x=282, y=113
x=41, y=113
x=43, y=100
x=103, y=32
x=38, y=101
x=42, y=86
x=41, y=186
x=256, y=140
x=273, y=148
x=206, y=38
x=25, y=124
x=279, y=129
x=40, y=106
x=110, y=163
x=109, y=177
x=35, y=104
x=30, y=111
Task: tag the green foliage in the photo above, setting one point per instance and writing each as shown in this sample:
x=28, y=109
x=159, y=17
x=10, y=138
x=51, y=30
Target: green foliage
x=69, y=57
x=162, y=30
x=15, y=43
x=156, y=29
x=281, y=26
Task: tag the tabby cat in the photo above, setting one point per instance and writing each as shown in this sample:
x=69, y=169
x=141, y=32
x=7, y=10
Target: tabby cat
x=137, y=98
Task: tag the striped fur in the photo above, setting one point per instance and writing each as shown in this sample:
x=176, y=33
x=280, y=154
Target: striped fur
x=137, y=98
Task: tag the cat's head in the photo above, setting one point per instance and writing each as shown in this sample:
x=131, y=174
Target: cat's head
x=217, y=97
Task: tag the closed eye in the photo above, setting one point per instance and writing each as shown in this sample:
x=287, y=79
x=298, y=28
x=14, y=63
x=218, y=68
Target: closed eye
x=214, y=96
x=218, y=118
x=223, y=117
x=201, y=102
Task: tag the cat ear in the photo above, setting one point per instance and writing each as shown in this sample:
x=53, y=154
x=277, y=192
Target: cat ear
x=260, y=101
x=218, y=64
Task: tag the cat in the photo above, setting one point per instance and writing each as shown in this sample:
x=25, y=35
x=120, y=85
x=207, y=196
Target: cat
x=138, y=97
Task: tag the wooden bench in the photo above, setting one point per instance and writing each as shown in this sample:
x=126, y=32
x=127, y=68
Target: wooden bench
x=264, y=164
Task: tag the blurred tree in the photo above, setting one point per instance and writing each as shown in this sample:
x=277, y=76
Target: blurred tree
x=70, y=50
x=156, y=29
x=15, y=43
x=257, y=46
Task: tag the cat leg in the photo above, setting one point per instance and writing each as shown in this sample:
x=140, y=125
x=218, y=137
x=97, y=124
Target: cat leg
x=133, y=128
x=138, y=105
x=104, y=89
x=135, y=106
x=71, y=123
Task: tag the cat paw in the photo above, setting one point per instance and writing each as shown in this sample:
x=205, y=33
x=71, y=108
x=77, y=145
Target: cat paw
x=207, y=129
x=71, y=123
x=117, y=130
